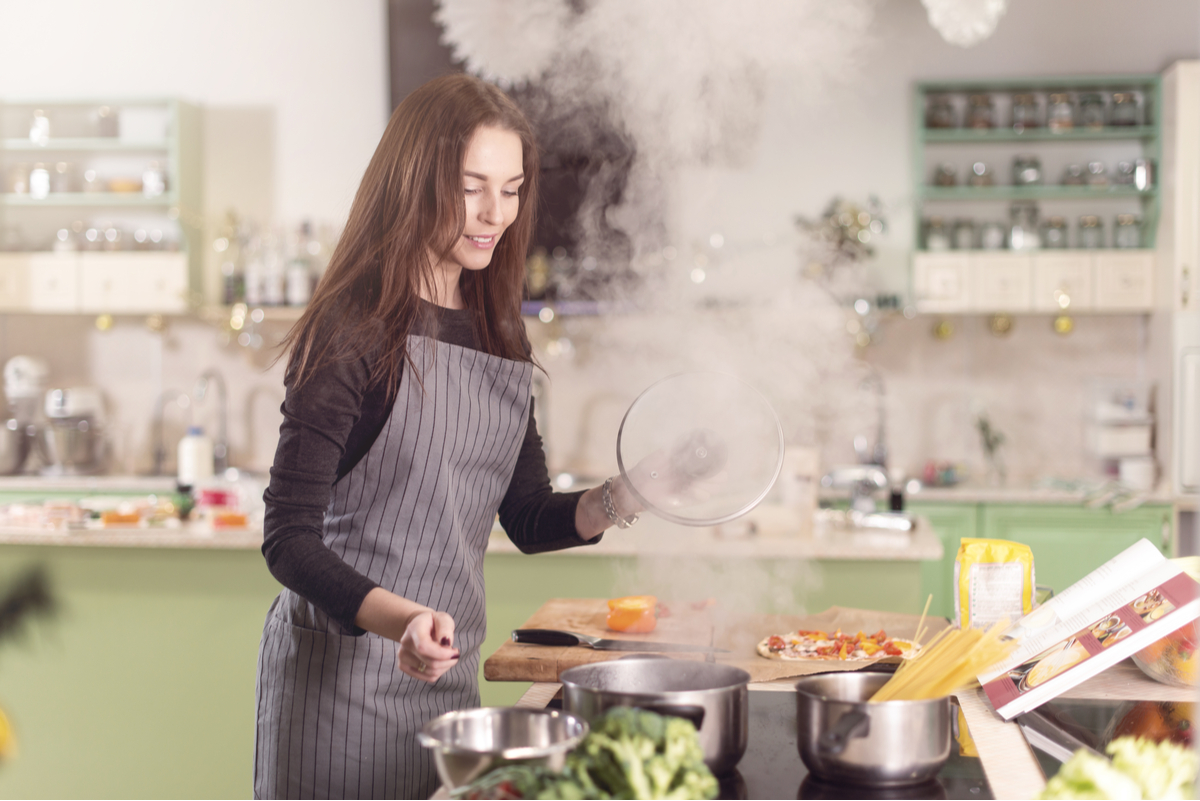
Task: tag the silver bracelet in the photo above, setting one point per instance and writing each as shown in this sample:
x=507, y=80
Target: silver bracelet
x=611, y=509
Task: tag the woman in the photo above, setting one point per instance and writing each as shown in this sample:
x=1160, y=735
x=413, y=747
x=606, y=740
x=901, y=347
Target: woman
x=408, y=425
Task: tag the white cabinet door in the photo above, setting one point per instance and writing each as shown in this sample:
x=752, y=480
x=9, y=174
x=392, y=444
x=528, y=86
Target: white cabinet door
x=1002, y=282
x=1062, y=276
x=940, y=282
x=1125, y=281
x=53, y=282
x=14, y=281
x=133, y=283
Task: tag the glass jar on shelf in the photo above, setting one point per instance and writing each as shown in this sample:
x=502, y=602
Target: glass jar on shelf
x=1027, y=170
x=1125, y=109
x=1091, y=111
x=964, y=234
x=940, y=112
x=39, y=181
x=1097, y=176
x=1023, y=226
x=1128, y=231
x=1024, y=112
x=39, y=128
x=945, y=175
x=106, y=122
x=62, y=177
x=981, y=114
x=1073, y=175
x=1060, y=113
x=981, y=175
x=18, y=179
x=993, y=236
x=1091, y=232
x=1054, y=233
x=1125, y=174
x=937, y=238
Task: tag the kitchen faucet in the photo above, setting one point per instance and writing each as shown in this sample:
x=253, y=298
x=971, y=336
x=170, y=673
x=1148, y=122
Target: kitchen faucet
x=870, y=474
x=221, y=441
x=159, y=450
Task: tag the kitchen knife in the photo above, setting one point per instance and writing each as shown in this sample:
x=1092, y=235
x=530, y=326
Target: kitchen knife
x=555, y=637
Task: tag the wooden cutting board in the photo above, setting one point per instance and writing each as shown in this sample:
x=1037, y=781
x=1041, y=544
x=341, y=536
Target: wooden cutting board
x=520, y=662
x=738, y=633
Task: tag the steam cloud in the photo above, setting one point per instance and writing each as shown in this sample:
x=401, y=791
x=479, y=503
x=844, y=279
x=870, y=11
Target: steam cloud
x=687, y=81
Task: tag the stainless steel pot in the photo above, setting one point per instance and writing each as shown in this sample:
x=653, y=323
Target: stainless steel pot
x=714, y=697
x=15, y=442
x=843, y=738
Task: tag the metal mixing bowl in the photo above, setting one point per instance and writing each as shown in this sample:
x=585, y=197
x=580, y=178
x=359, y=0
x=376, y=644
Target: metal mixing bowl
x=469, y=742
x=15, y=441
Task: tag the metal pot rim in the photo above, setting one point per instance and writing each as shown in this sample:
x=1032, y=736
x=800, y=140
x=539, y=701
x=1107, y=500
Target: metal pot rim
x=866, y=703
x=426, y=738
x=742, y=678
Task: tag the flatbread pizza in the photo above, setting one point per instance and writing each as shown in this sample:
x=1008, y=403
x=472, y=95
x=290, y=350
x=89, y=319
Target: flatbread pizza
x=806, y=645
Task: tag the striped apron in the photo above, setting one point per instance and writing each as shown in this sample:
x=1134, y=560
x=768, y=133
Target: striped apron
x=335, y=717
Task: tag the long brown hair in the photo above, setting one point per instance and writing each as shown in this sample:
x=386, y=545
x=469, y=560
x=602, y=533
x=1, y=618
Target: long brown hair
x=410, y=205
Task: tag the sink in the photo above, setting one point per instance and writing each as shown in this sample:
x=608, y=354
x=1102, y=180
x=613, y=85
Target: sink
x=864, y=529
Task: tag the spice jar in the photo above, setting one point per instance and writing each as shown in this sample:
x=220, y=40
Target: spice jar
x=940, y=113
x=1091, y=232
x=1024, y=112
x=1096, y=176
x=981, y=175
x=1125, y=173
x=1128, y=232
x=980, y=114
x=937, y=238
x=1073, y=175
x=1023, y=226
x=1027, y=170
x=1125, y=109
x=39, y=182
x=61, y=178
x=945, y=175
x=1060, y=113
x=992, y=236
x=964, y=234
x=1054, y=233
x=1091, y=111
x=18, y=179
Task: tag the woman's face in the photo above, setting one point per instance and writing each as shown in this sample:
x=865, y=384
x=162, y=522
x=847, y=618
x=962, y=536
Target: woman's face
x=492, y=172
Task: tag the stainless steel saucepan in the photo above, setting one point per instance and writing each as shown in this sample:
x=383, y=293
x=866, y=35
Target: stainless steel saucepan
x=844, y=738
x=712, y=696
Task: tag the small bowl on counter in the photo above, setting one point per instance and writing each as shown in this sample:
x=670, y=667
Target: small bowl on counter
x=470, y=742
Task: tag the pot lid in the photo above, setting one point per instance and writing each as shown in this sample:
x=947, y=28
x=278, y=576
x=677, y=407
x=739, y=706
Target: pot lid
x=700, y=448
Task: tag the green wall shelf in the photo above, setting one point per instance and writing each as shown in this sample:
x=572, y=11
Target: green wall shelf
x=1147, y=137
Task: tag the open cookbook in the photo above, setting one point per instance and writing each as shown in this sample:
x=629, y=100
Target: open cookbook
x=1132, y=600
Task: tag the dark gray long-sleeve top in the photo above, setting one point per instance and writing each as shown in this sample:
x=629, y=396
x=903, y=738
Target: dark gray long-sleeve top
x=329, y=425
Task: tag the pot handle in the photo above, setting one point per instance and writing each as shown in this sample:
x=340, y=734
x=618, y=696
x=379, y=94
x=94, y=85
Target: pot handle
x=851, y=724
x=689, y=712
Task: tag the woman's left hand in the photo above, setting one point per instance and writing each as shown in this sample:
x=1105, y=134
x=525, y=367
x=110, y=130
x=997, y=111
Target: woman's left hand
x=427, y=646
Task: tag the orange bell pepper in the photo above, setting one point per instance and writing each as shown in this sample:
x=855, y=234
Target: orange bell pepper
x=634, y=613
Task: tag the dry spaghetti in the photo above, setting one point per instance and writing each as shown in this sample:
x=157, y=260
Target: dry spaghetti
x=950, y=662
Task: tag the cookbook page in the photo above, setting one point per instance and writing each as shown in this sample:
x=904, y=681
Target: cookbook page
x=1132, y=571
x=1097, y=645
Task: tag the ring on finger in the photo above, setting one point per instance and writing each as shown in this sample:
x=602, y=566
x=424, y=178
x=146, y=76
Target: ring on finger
x=421, y=666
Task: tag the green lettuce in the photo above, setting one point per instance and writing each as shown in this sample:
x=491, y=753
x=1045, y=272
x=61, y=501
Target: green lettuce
x=1140, y=768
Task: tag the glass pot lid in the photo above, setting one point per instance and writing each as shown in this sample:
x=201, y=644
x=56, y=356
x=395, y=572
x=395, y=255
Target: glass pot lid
x=700, y=448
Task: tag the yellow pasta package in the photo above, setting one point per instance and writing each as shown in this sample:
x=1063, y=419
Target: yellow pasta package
x=993, y=581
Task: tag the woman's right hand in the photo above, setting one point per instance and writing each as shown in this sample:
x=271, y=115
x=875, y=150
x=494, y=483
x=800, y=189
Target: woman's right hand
x=427, y=646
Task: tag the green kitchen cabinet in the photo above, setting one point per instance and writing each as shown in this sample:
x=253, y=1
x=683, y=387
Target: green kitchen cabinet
x=951, y=522
x=1068, y=541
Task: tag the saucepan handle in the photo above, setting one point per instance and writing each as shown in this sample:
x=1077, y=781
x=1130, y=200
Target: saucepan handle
x=851, y=724
x=692, y=712
x=545, y=637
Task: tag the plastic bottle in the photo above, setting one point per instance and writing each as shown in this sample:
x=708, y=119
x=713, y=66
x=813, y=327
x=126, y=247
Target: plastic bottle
x=195, y=458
